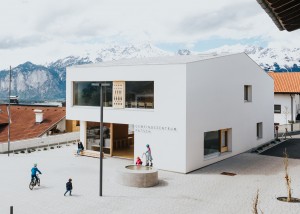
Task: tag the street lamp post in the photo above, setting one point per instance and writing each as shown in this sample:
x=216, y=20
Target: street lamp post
x=8, y=131
x=101, y=131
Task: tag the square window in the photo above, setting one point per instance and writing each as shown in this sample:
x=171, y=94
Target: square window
x=259, y=130
x=247, y=93
x=277, y=109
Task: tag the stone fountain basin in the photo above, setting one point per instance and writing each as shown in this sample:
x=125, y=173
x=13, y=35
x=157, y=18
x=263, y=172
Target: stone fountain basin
x=138, y=176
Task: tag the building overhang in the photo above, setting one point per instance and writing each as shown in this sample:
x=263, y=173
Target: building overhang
x=284, y=13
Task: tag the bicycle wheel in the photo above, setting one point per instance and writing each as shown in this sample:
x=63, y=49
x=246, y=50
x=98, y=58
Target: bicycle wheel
x=31, y=185
x=38, y=182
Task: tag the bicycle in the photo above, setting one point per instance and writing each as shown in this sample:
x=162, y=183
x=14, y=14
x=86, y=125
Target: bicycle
x=34, y=182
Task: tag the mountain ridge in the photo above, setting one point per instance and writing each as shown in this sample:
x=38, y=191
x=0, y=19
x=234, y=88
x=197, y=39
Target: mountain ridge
x=47, y=82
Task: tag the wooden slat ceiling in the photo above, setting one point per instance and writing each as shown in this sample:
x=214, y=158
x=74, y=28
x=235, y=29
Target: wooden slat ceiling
x=284, y=13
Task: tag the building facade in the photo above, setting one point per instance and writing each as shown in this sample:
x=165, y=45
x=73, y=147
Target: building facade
x=192, y=110
x=286, y=97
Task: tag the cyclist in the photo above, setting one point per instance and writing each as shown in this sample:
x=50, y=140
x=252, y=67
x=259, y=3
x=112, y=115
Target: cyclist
x=34, y=170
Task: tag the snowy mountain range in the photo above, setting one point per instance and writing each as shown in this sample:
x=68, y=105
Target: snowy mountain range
x=270, y=59
x=47, y=82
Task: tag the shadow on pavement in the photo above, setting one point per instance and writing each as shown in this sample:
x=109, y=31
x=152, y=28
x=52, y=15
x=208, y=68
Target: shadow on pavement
x=292, y=147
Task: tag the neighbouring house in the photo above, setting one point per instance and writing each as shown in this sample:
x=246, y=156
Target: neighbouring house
x=31, y=121
x=192, y=110
x=286, y=97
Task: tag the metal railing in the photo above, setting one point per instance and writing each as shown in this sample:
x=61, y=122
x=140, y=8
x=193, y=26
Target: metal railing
x=292, y=127
x=41, y=142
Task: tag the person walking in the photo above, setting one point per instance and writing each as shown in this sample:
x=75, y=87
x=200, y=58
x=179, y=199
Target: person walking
x=148, y=156
x=69, y=187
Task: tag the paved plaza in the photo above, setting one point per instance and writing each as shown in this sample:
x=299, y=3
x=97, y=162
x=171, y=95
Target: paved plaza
x=203, y=191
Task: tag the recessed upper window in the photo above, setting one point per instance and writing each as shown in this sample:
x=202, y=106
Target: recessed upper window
x=277, y=109
x=247, y=93
x=132, y=94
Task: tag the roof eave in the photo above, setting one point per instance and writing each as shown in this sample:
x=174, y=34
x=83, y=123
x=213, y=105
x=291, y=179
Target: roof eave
x=270, y=12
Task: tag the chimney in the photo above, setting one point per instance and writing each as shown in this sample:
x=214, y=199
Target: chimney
x=38, y=115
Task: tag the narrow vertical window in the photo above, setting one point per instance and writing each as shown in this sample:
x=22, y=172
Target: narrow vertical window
x=247, y=93
x=259, y=130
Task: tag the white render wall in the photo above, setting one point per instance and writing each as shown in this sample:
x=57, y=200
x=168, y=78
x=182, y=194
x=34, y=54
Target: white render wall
x=194, y=98
x=215, y=100
x=285, y=101
x=168, y=147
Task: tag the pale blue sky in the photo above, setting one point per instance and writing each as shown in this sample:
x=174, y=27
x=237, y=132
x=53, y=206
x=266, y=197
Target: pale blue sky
x=213, y=42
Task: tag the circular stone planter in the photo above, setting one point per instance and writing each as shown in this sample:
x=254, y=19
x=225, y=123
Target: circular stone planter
x=138, y=176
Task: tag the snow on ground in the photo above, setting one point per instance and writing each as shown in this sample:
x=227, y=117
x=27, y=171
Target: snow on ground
x=203, y=191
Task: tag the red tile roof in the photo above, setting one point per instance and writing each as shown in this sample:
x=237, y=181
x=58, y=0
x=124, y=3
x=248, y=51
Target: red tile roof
x=287, y=82
x=3, y=117
x=23, y=124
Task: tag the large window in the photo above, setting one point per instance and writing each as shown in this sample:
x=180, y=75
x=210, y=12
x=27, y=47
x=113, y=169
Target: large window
x=277, y=109
x=211, y=142
x=216, y=142
x=139, y=94
x=87, y=95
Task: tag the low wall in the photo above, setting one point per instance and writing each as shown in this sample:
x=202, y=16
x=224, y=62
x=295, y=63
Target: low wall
x=40, y=142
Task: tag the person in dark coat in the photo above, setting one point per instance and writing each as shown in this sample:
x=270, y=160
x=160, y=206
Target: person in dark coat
x=69, y=187
x=80, y=148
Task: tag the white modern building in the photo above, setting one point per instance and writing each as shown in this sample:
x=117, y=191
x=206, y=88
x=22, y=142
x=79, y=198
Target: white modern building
x=192, y=110
x=286, y=97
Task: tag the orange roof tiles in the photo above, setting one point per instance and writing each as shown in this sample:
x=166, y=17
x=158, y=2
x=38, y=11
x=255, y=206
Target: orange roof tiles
x=23, y=124
x=3, y=117
x=287, y=82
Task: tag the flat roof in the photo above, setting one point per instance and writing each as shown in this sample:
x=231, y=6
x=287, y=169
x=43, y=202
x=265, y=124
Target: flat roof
x=157, y=60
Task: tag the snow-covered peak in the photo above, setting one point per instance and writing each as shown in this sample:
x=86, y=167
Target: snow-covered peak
x=283, y=59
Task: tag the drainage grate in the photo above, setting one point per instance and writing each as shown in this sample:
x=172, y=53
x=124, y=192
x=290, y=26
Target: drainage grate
x=228, y=173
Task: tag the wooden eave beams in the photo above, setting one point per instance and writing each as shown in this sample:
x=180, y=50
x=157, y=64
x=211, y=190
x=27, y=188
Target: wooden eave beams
x=287, y=13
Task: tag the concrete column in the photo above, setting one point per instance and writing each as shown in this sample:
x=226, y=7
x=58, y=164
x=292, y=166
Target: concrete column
x=83, y=126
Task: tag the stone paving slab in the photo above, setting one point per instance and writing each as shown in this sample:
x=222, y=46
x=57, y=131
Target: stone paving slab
x=203, y=191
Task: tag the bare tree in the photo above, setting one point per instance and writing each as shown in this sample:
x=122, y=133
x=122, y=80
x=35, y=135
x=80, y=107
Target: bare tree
x=287, y=177
x=286, y=113
x=255, y=203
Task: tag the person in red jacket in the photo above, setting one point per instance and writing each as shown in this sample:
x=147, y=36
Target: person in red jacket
x=138, y=161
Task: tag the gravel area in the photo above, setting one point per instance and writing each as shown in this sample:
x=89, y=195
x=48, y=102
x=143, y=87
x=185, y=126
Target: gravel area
x=203, y=191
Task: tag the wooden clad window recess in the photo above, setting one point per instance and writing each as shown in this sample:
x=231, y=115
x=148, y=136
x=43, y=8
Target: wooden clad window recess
x=247, y=93
x=224, y=140
x=217, y=142
x=77, y=123
x=119, y=94
x=277, y=109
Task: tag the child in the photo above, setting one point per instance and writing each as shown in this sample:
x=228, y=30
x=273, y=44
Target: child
x=148, y=156
x=69, y=187
x=80, y=148
x=138, y=161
